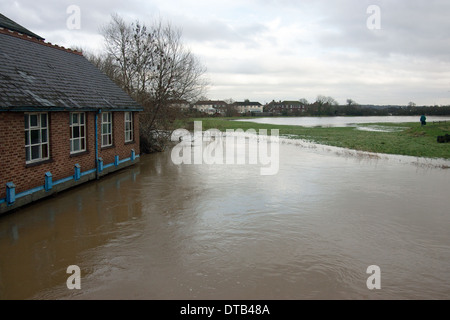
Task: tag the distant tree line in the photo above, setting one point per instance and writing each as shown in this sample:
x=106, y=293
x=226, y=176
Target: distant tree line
x=328, y=106
x=357, y=110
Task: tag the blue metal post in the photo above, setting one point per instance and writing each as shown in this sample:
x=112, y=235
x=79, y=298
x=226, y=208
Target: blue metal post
x=100, y=164
x=77, y=175
x=48, y=183
x=133, y=155
x=10, y=193
x=116, y=161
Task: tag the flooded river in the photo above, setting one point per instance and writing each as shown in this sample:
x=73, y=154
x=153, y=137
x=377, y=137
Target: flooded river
x=341, y=121
x=163, y=231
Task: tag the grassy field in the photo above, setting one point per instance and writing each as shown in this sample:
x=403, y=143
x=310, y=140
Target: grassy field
x=405, y=139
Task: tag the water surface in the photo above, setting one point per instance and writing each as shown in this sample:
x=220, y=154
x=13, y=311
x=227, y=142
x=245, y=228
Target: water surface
x=162, y=231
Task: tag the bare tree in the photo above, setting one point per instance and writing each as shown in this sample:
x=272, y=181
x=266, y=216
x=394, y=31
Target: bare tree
x=153, y=66
x=230, y=108
x=351, y=102
x=323, y=100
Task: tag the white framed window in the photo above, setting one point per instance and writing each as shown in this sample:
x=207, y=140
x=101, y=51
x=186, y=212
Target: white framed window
x=107, y=129
x=77, y=132
x=128, y=126
x=36, y=137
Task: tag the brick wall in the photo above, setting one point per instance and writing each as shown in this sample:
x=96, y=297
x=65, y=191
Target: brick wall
x=61, y=164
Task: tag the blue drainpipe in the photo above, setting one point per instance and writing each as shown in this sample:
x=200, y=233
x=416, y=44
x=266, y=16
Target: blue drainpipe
x=96, y=143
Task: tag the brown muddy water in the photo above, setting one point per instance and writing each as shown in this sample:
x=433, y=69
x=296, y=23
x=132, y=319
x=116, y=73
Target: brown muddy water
x=163, y=231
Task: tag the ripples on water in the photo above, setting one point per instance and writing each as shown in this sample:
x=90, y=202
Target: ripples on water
x=161, y=231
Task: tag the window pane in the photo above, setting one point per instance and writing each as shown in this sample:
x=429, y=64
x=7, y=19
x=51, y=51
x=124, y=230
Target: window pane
x=127, y=126
x=76, y=132
x=27, y=140
x=26, y=121
x=44, y=135
x=105, y=117
x=74, y=118
x=76, y=145
x=43, y=120
x=104, y=140
x=33, y=120
x=35, y=152
x=109, y=117
x=104, y=128
x=83, y=144
x=45, y=150
x=110, y=128
x=34, y=136
x=82, y=118
x=109, y=139
x=27, y=154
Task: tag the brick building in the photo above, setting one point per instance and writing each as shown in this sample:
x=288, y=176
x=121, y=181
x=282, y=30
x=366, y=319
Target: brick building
x=248, y=106
x=286, y=106
x=62, y=121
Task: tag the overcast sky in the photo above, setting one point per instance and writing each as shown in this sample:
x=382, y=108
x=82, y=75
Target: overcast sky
x=266, y=50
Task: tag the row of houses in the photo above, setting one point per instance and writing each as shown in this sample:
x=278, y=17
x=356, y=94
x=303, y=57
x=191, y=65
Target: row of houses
x=62, y=121
x=221, y=107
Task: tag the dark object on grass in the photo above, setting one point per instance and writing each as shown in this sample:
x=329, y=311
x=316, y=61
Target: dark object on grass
x=443, y=139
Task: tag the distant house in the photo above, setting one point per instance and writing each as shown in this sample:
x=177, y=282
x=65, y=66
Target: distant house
x=286, y=106
x=62, y=121
x=211, y=106
x=248, y=106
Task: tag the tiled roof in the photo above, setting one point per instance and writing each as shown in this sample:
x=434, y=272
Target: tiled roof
x=247, y=103
x=286, y=102
x=7, y=23
x=39, y=76
x=210, y=102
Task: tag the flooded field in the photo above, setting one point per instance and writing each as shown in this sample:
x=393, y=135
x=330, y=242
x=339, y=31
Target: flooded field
x=342, y=121
x=164, y=231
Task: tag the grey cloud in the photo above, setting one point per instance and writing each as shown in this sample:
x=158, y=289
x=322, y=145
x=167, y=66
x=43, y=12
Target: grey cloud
x=417, y=28
x=333, y=52
x=220, y=32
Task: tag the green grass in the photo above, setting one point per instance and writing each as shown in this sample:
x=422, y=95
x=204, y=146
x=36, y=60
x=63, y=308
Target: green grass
x=414, y=140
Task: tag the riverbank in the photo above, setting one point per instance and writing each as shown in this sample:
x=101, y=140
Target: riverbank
x=409, y=139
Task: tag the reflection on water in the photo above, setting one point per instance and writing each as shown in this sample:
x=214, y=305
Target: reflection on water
x=161, y=231
x=378, y=128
